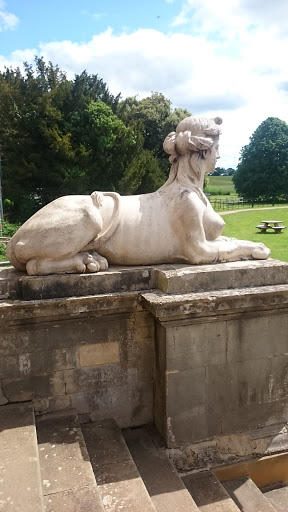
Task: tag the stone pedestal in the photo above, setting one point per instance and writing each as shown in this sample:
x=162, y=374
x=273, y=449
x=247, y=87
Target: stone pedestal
x=221, y=349
x=202, y=350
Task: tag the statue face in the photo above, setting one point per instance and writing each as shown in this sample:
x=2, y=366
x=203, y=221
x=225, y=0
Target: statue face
x=212, y=157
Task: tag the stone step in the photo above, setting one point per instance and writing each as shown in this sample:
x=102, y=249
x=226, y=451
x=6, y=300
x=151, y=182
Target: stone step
x=68, y=480
x=278, y=497
x=165, y=487
x=118, y=479
x=208, y=493
x=248, y=496
x=20, y=483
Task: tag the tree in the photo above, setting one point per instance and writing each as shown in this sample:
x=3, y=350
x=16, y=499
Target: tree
x=155, y=119
x=262, y=173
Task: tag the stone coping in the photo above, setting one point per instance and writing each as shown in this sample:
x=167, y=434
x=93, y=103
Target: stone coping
x=170, y=279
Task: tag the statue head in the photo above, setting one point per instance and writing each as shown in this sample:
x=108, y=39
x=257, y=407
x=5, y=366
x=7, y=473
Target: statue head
x=193, y=135
x=193, y=149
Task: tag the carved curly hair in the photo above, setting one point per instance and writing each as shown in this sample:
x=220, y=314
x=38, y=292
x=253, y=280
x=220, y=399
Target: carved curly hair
x=193, y=135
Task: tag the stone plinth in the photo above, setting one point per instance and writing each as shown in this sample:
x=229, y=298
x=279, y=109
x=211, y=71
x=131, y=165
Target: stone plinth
x=202, y=350
x=221, y=355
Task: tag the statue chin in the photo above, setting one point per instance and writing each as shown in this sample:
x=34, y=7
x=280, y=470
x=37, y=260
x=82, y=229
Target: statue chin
x=77, y=234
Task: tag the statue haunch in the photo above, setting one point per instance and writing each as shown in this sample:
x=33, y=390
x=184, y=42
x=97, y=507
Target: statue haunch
x=174, y=224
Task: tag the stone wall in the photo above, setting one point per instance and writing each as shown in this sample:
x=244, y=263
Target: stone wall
x=201, y=351
x=91, y=353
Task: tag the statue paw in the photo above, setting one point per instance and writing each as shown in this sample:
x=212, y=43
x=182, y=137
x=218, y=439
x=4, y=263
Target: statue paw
x=261, y=252
x=94, y=262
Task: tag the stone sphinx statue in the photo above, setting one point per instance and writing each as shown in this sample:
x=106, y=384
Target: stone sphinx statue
x=174, y=224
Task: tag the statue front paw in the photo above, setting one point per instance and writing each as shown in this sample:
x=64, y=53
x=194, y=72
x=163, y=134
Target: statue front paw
x=261, y=252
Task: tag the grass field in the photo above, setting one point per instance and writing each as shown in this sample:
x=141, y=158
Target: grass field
x=242, y=225
x=220, y=185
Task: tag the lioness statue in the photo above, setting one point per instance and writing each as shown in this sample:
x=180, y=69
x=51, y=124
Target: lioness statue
x=174, y=224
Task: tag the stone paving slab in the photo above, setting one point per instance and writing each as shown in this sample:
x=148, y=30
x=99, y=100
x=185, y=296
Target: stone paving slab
x=247, y=495
x=86, y=499
x=165, y=487
x=66, y=470
x=208, y=493
x=20, y=484
x=118, y=479
x=278, y=498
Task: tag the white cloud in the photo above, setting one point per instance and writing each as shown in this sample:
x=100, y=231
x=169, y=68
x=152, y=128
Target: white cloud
x=229, y=62
x=8, y=21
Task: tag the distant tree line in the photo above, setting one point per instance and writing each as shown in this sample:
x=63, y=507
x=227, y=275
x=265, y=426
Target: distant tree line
x=61, y=136
x=262, y=172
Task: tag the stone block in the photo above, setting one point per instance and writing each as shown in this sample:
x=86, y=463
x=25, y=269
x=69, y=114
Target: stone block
x=28, y=388
x=90, y=378
x=196, y=345
x=222, y=276
x=253, y=416
x=247, y=495
x=59, y=403
x=279, y=377
x=63, y=456
x=186, y=391
x=189, y=427
x=62, y=334
x=105, y=443
x=208, y=493
x=20, y=484
x=258, y=336
x=38, y=362
x=235, y=385
x=121, y=487
x=99, y=354
x=114, y=279
x=129, y=406
x=75, y=500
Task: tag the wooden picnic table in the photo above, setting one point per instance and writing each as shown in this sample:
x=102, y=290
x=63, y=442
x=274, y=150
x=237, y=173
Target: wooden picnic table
x=5, y=239
x=271, y=224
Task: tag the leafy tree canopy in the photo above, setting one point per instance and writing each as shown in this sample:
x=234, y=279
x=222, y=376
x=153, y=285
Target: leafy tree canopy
x=262, y=173
x=60, y=136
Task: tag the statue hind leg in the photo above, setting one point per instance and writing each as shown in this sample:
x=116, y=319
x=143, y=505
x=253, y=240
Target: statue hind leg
x=55, y=238
x=80, y=263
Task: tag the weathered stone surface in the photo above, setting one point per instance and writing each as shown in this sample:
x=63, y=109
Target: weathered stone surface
x=99, y=354
x=208, y=493
x=198, y=345
x=237, y=385
x=79, y=500
x=24, y=364
x=247, y=495
x=215, y=303
x=20, y=485
x=186, y=391
x=245, y=343
x=40, y=386
x=278, y=498
x=64, y=460
x=118, y=480
x=129, y=404
x=114, y=279
x=105, y=443
x=223, y=276
x=162, y=482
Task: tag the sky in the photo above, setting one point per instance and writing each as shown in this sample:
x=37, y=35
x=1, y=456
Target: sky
x=226, y=58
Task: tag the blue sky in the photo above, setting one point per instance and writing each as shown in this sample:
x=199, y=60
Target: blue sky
x=224, y=58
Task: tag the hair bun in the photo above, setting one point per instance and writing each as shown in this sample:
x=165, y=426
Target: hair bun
x=218, y=120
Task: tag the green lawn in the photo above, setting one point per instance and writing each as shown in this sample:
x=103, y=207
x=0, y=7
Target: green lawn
x=242, y=225
x=222, y=185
